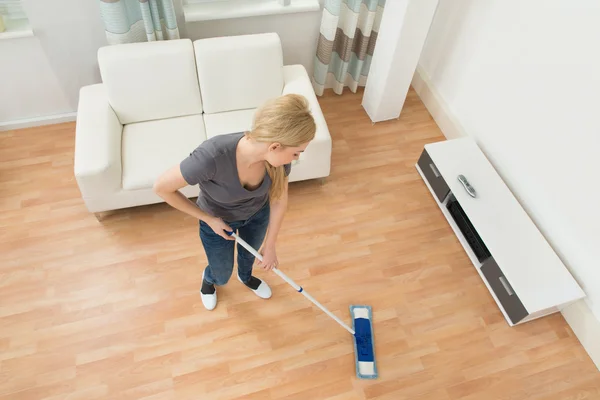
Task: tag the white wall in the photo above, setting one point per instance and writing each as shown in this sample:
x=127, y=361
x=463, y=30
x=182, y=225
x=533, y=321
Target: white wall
x=522, y=77
x=41, y=76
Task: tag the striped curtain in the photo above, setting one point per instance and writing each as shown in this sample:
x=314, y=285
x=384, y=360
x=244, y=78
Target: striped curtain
x=129, y=21
x=346, y=43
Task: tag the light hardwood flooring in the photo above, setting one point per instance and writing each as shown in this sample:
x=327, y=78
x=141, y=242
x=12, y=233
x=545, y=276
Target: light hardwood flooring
x=111, y=309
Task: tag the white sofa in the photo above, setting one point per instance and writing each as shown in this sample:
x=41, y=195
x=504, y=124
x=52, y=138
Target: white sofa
x=160, y=100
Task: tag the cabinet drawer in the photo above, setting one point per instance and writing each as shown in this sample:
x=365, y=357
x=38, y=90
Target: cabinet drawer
x=435, y=179
x=503, y=291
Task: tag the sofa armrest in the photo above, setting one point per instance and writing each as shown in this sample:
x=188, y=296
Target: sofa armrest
x=97, y=144
x=315, y=162
x=296, y=80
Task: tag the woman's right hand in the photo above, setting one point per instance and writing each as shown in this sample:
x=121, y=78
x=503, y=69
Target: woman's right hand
x=219, y=227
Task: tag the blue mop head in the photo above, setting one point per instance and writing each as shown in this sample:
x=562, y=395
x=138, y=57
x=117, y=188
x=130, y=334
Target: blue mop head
x=364, y=351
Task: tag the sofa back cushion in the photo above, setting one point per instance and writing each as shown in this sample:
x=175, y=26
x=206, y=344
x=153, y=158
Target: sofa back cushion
x=239, y=72
x=151, y=80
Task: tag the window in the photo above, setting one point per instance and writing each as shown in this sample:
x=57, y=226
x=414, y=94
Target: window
x=13, y=20
x=202, y=1
x=233, y=3
x=212, y=1
x=203, y=10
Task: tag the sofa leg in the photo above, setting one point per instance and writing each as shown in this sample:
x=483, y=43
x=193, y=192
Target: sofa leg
x=102, y=215
x=322, y=181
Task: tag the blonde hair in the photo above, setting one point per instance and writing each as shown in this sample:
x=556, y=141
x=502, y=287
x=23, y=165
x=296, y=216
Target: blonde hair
x=285, y=120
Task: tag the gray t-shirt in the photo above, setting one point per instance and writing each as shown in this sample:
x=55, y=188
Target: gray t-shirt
x=213, y=167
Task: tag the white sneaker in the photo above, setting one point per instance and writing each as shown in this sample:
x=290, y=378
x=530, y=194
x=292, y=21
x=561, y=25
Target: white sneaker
x=209, y=300
x=263, y=290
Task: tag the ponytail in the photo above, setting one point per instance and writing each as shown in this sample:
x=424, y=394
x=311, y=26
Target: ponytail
x=277, y=175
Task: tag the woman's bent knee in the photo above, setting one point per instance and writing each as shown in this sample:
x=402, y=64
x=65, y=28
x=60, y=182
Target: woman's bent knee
x=221, y=273
x=222, y=280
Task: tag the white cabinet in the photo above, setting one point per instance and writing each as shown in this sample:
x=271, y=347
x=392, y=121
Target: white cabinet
x=514, y=260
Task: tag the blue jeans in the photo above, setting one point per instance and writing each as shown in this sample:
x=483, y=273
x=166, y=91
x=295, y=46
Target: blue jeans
x=220, y=251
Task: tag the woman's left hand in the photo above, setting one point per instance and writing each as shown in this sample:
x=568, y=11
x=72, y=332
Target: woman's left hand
x=269, y=257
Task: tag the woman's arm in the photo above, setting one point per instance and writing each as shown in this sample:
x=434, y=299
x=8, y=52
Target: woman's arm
x=167, y=187
x=278, y=209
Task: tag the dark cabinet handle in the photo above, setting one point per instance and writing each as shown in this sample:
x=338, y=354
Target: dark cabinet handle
x=434, y=169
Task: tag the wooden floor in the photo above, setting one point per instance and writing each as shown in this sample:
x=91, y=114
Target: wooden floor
x=111, y=309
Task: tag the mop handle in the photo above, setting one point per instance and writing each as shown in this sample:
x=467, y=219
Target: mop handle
x=291, y=282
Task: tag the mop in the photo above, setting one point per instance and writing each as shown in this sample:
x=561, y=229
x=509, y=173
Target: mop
x=361, y=330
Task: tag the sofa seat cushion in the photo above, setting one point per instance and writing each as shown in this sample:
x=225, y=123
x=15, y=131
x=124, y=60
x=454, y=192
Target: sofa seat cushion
x=228, y=122
x=151, y=148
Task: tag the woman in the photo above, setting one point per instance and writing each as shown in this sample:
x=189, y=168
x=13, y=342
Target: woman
x=244, y=188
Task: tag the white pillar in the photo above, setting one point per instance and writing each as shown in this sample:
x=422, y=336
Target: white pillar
x=402, y=34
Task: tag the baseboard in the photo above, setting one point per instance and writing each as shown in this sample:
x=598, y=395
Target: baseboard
x=586, y=327
x=37, y=121
x=436, y=105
